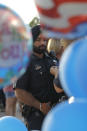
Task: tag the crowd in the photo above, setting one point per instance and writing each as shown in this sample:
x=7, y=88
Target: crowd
x=39, y=89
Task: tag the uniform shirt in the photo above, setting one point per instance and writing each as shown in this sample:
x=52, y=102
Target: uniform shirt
x=38, y=80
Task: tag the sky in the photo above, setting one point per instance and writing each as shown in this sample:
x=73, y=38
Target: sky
x=26, y=9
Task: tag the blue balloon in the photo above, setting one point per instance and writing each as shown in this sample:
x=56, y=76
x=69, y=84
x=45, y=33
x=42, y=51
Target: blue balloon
x=10, y=123
x=67, y=117
x=73, y=69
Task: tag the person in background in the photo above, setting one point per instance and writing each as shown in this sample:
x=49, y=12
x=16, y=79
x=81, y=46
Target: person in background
x=57, y=46
x=2, y=100
x=35, y=88
x=54, y=70
x=54, y=45
x=10, y=107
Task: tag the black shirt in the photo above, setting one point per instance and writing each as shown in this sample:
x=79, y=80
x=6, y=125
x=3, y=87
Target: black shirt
x=38, y=80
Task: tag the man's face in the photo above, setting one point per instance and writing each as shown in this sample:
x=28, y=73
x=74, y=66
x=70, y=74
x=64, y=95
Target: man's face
x=40, y=44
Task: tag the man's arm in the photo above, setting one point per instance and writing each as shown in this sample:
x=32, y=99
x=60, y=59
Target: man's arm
x=57, y=86
x=28, y=99
x=58, y=89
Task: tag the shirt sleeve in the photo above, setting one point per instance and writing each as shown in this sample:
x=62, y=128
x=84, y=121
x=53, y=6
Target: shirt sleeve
x=24, y=81
x=56, y=81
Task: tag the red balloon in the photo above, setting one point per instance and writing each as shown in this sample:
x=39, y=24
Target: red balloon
x=63, y=18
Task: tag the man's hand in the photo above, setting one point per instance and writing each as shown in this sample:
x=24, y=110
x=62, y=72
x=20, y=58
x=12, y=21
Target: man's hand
x=45, y=108
x=54, y=70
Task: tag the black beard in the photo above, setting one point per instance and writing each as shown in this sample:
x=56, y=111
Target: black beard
x=39, y=50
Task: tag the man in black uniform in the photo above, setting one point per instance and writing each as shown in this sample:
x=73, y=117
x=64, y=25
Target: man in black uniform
x=35, y=88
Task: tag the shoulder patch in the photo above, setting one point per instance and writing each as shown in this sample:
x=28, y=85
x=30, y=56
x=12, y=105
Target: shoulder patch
x=37, y=67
